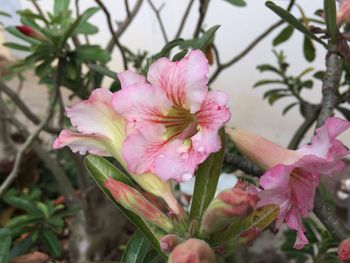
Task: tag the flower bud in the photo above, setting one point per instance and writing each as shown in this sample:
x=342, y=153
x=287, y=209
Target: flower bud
x=132, y=200
x=344, y=250
x=247, y=238
x=193, y=251
x=229, y=205
x=169, y=242
x=30, y=32
x=261, y=151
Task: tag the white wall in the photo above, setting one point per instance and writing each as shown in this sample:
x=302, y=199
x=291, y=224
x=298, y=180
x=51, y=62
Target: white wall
x=238, y=27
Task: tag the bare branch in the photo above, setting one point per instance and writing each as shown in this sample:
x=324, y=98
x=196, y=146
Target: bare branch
x=184, y=18
x=127, y=8
x=111, y=30
x=243, y=164
x=124, y=25
x=24, y=147
x=24, y=108
x=203, y=8
x=159, y=18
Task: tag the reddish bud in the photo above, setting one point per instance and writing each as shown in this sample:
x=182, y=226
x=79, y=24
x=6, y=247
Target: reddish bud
x=247, y=238
x=192, y=251
x=344, y=250
x=228, y=206
x=132, y=200
x=169, y=242
x=30, y=32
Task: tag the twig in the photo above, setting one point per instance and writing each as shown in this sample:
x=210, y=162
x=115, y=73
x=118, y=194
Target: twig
x=24, y=147
x=111, y=30
x=159, y=18
x=329, y=101
x=24, y=108
x=127, y=9
x=245, y=51
x=243, y=164
x=124, y=25
x=203, y=8
x=184, y=18
x=41, y=13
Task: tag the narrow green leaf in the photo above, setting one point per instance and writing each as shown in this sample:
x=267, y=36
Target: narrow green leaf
x=51, y=243
x=165, y=52
x=288, y=108
x=60, y=6
x=309, y=49
x=5, y=244
x=104, y=71
x=237, y=2
x=2, y=13
x=93, y=52
x=330, y=10
x=180, y=55
x=22, y=247
x=87, y=29
x=22, y=203
x=267, y=82
x=203, y=41
x=100, y=170
x=137, y=249
x=283, y=36
x=16, y=46
x=207, y=178
x=289, y=18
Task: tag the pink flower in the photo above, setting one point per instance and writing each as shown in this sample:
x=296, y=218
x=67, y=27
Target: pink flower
x=343, y=14
x=344, y=250
x=293, y=176
x=172, y=118
x=101, y=131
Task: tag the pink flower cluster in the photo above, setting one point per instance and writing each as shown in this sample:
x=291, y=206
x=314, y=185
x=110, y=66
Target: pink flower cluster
x=166, y=124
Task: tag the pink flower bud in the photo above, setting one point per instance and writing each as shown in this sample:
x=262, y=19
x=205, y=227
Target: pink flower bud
x=132, y=200
x=343, y=14
x=169, y=242
x=247, y=238
x=192, y=251
x=344, y=250
x=30, y=32
x=228, y=206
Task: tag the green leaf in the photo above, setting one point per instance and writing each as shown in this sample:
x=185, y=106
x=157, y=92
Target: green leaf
x=2, y=13
x=288, y=108
x=267, y=82
x=86, y=29
x=16, y=46
x=237, y=2
x=319, y=75
x=267, y=67
x=207, y=178
x=60, y=6
x=289, y=18
x=22, y=203
x=330, y=11
x=283, y=36
x=203, y=41
x=309, y=49
x=51, y=243
x=23, y=220
x=93, y=52
x=180, y=55
x=165, y=52
x=100, y=170
x=22, y=247
x=137, y=248
x=5, y=244
x=104, y=71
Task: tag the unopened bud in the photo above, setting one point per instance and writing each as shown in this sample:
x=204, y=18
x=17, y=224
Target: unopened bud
x=193, y=251
x=247, y=238
x=344, y=250
x=30, y=32
x=169, y=242
x=229, y=205
x=132, y=200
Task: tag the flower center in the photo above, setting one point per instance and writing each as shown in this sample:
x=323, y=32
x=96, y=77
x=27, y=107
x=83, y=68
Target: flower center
x=179, y=122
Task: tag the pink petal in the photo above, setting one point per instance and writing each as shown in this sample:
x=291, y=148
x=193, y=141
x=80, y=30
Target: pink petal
x=128, y=78
x=140, y=104
x=294, y=221
x=83, y=143
x=277, y=178
x=96, y=116
x=141, y=148
x=177, y=161
x=212, y=116
x=184, y=82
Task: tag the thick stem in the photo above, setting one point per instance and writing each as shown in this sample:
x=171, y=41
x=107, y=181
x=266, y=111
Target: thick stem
x=243, y=164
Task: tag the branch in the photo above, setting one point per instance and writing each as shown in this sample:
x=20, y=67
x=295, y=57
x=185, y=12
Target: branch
x=203, y=8
x=24, y=108
x=329, y=101
x=243, y=164
x=124, y=25
x=127, y=9
x=111, y=30
x=24, y=147
x=184, y=18
x=245, y=51
x=159, y=18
